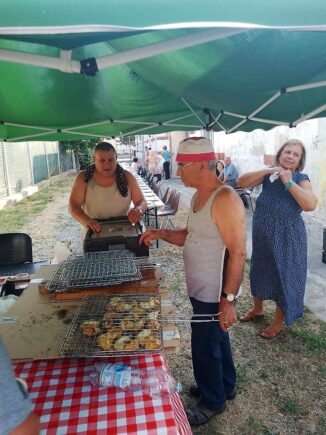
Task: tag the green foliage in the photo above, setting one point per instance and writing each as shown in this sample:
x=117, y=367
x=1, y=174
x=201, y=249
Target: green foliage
x=83, y=150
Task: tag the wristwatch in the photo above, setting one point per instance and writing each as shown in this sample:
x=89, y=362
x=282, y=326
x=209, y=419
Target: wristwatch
x=230, y=297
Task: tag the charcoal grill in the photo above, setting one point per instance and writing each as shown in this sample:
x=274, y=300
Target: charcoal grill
x=116, y=234
x=94, y=269
x=131, y=321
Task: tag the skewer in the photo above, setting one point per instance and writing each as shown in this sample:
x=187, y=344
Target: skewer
x=173, y=318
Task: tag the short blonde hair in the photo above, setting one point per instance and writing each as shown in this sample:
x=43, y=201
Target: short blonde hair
x=303, y=153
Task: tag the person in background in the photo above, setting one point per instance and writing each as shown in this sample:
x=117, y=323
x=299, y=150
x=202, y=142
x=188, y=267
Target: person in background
x=16, y=409
x=135, y=166
x=153, y=163
x=167, y=162
x=103, y=190
x=214, y=256
x=229, y=175
x=219, y=167
x=279, y=241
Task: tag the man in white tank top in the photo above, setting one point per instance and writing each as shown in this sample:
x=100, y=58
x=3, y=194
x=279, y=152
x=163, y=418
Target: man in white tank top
x=214, y=256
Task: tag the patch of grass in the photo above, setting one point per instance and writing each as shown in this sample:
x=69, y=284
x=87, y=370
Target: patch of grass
x=252, y=425
x=270, y=431
x=322, y=371
x=315, y=341
x=321, y=426
x=243, y=377
x=292, y=406
x=21, y=213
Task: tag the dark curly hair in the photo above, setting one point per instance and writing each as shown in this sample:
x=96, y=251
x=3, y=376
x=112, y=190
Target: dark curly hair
x=122, y=182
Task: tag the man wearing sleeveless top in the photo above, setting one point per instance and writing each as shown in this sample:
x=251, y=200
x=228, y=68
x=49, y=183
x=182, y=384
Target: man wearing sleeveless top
x=214, y=256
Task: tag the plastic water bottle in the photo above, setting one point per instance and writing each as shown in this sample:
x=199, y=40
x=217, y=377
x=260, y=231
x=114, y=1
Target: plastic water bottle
x=155, y=383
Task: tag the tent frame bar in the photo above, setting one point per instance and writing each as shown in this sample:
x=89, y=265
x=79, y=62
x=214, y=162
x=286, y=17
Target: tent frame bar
x=89, y=67
x=216, y=120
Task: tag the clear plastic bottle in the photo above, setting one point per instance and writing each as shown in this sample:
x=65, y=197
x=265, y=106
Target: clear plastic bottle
x=155, y=383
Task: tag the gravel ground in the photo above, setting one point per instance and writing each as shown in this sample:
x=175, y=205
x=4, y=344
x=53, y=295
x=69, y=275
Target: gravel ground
x=281, y=383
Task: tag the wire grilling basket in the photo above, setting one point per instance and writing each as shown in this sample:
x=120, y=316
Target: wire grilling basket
x=111, y=325
x=94, y=269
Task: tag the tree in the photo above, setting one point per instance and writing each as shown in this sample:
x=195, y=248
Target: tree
x=82, y=149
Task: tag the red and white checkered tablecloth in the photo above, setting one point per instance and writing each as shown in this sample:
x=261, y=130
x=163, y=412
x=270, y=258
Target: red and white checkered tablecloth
x=68, y=404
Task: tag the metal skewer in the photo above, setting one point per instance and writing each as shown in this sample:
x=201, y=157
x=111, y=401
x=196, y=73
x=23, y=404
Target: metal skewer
x=173, y=318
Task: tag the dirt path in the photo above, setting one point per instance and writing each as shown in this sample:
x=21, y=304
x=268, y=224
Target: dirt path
x=52, y=225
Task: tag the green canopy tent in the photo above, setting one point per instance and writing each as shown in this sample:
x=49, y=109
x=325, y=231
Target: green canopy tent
x=72, y=69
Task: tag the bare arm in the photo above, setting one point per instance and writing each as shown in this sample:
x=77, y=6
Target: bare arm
x=30, y=426
x=176, y=237
x=76, y=202
x=301, y=192
x=252, y=179
x=229, y=216
x=140, y=205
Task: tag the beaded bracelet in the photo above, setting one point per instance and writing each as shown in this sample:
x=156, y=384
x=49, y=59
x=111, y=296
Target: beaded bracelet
x=288, y=184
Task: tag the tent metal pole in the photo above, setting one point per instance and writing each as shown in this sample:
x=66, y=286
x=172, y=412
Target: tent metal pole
x=305, y=87
x=124, y=121
x=259, y=109
x=177, y=119
x=197, y=127
x=268, y=121
x=267, y=103
x=190, y=108
x=221, y=126
x=15, y=139
x=65, y=64
x=62, y=63
x=235, y=115
x=262, y=120
x=139, y=130
x=32, y=127
x=165, y=47
x=309, y=115
x=80, y=133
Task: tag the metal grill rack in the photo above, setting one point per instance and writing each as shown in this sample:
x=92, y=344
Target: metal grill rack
x=94, y=269
x=122, y=321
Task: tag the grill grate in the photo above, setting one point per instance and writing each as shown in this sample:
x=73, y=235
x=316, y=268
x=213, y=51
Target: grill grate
x=94, y=269
x=111, y=325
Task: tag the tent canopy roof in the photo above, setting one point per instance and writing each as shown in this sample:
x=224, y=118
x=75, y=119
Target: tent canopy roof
x=78, y=69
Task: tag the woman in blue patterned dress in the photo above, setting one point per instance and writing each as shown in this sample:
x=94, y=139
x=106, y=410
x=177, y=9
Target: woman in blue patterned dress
x=279, y=251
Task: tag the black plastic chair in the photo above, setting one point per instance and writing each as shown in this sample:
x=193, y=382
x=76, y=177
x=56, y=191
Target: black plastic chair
x=244, y=194
x=16, y=248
